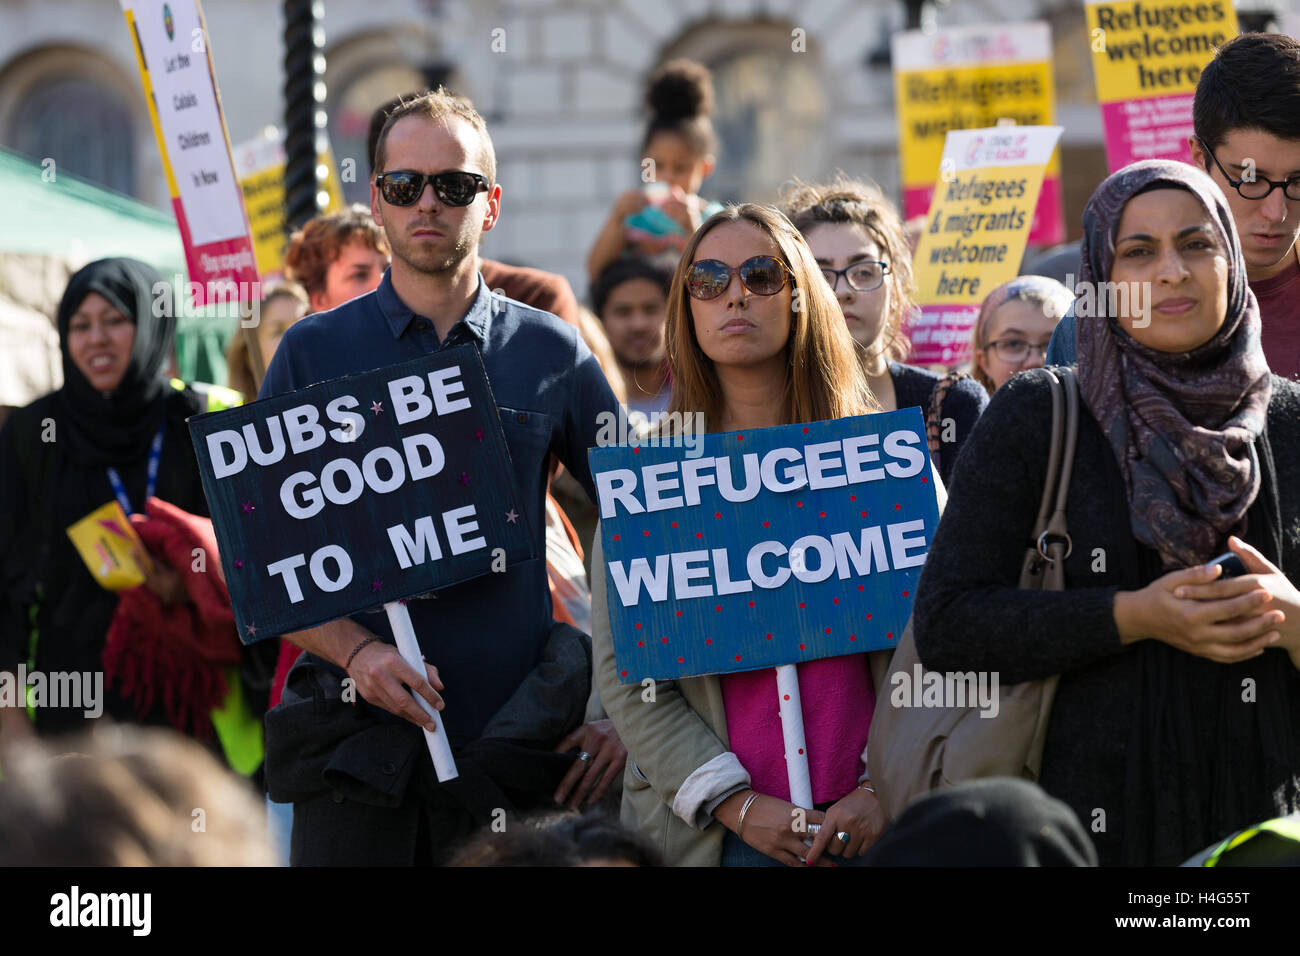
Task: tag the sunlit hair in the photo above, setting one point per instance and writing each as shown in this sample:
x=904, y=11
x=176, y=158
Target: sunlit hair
x=440, y=105
x=315, y=247
x=239, y=365
x=845, y=201
x=824, y=378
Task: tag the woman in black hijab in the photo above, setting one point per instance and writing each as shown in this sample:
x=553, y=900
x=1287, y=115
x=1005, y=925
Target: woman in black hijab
x=77, y=449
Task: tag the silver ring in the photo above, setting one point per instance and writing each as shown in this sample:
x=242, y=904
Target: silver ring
x=842, y=836
x=584, y=756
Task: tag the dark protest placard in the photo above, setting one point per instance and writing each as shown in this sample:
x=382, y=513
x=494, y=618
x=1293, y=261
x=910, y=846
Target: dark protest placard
x=360, y=491
x=754, y=549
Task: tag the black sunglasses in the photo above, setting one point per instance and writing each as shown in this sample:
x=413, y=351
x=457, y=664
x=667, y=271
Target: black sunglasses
x=761, y=275
x=404, y=187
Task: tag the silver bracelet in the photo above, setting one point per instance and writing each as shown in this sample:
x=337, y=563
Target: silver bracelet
x=866, y=787
x=740, y=821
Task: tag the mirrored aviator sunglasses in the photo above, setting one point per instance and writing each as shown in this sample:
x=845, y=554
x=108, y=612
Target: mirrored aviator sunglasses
x=761, y=275
x=403, y=187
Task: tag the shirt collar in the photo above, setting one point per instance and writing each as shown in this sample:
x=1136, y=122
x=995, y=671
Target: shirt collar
x=399, y=316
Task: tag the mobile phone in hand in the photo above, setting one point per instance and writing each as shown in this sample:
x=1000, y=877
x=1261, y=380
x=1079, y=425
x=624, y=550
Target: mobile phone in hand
x=1232, y=565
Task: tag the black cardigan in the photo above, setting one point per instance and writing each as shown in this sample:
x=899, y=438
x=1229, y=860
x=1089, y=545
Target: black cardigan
x=963, y=404
x=970, y=615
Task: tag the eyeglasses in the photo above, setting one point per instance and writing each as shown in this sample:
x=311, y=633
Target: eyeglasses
x=1015, y=351
x=761, y=275
x=861, y=276
x=404, y=187
x=1255, y=188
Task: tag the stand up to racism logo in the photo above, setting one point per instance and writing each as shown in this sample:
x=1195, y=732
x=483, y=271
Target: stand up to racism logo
x=168, y=22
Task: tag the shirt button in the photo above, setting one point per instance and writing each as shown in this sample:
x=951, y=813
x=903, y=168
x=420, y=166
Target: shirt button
x=421, y=325
x=521, y=418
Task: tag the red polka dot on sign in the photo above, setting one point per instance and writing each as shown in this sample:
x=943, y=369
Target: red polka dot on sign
x=717, y=514
x=751, y=603
x=769, y=637
x=717, y=607
x=924, y=479
x=699, y=534
x=681, y=660
x=737, y=657
x=663, y=640
x=868, y=617
x=803, y=647
x=905, y=594
x=740, y=438
x=787, y=696
x=835, y=600
x=679, y=613
x=640, y=643
x=767, y=524
x=864, y=514
x=853, y=637
x=805, y=431
x=821, y=514
x=708, y=640
x=798, y=504
x=646, y=532
x=636, y=451
x=674, y=524
x=622, y=673
x=890, y=635
x=638, y=625
x=801, y=605
x=801, y=750
x=853, y=497
x=862, y=587
x=828, y=630
x=615, y=537
x=898, y=507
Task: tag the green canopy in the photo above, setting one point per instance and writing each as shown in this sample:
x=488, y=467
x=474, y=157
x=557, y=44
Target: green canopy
x=48, y=212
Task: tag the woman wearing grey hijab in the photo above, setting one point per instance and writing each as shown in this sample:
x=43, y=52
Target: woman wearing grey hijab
x=1177, y=716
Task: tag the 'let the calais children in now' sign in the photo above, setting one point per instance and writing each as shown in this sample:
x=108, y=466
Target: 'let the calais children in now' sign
x=763, y=548
x=358, y=492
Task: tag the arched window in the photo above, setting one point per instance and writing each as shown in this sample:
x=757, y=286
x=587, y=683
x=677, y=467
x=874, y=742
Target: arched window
x=771, y=107
x=68, y=112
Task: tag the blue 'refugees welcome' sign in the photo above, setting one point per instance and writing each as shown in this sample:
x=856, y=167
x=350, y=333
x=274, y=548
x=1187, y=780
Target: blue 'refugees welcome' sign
x=764, y=547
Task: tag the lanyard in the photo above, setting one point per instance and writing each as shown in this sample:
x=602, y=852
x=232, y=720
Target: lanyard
x=119, y=489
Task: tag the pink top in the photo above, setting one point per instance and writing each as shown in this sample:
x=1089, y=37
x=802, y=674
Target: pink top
x=837, y=698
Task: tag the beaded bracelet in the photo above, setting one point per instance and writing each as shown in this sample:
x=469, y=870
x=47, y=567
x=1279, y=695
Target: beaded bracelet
x=356, y=650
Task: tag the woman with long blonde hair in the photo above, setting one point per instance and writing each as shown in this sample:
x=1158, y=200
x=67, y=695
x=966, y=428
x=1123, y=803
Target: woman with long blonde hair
x=755, y=339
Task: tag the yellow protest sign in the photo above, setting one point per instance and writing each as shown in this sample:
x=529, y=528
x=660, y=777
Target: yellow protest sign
x=975, y=232
x=1147, y=56
x=970, y=78
x=105, y=540
x=260, y=163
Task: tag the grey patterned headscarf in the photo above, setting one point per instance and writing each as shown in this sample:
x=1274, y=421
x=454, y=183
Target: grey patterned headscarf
x=1182, y=425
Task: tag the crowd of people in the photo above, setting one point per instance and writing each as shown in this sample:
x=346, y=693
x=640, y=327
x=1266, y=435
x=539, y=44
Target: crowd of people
x=1176, y=720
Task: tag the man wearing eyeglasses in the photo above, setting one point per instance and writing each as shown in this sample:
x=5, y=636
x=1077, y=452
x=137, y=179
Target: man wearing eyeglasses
x=1246, y=118
x=360, y=778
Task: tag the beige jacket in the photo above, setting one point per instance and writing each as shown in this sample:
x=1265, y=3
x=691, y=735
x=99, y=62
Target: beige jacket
x=678, y=757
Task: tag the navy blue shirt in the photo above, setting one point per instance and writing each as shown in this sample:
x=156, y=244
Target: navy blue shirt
x=485, y=635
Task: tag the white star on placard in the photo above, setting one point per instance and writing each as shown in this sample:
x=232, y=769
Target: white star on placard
x=376, y=407
x=511, y=516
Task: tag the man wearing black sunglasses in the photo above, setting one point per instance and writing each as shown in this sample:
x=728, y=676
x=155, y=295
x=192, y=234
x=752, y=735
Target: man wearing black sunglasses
x=435, y=195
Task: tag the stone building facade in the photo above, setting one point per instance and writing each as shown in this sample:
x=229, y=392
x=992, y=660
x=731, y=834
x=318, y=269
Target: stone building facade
x=803, y=88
